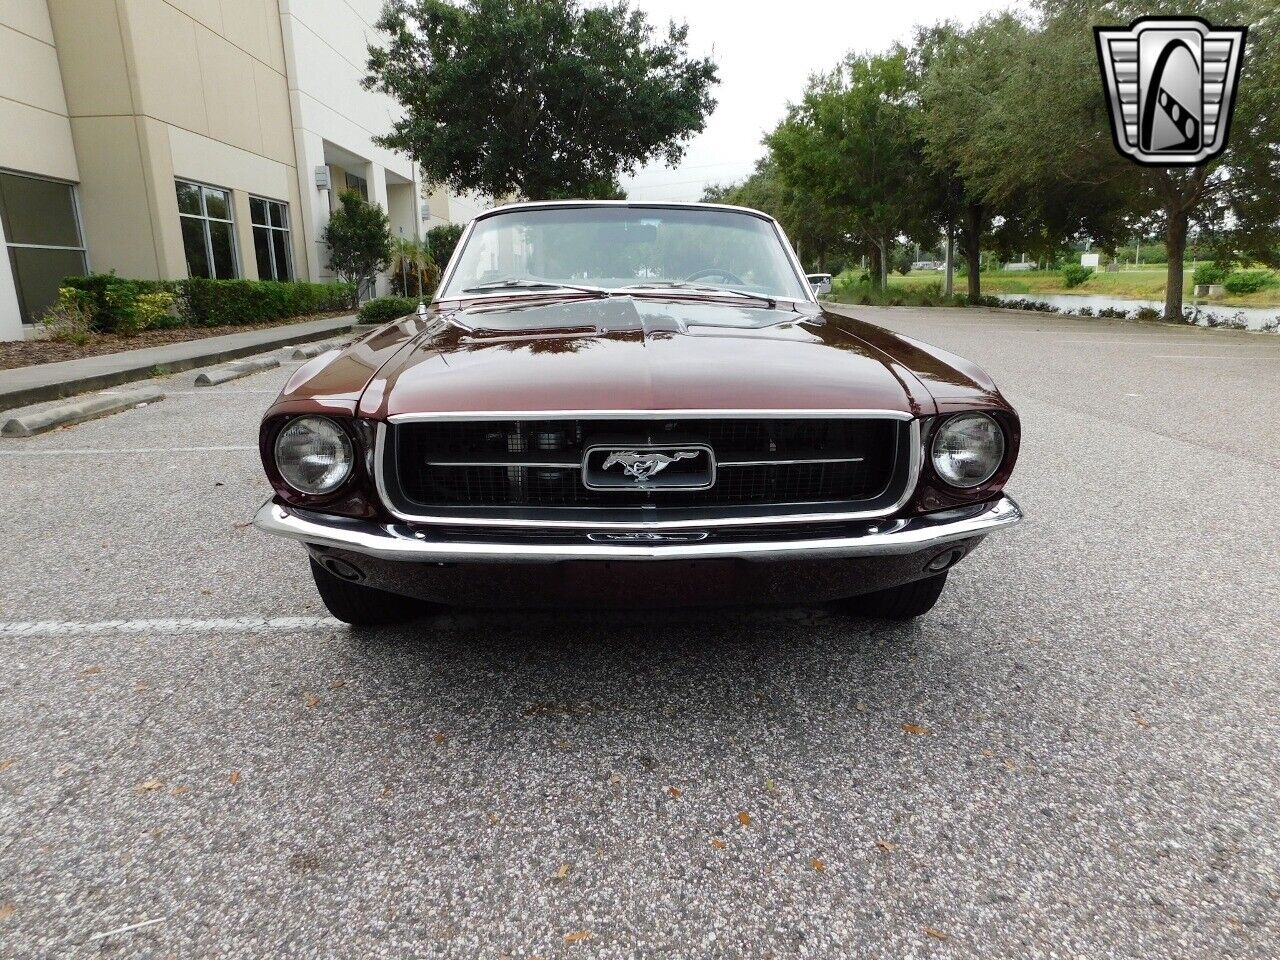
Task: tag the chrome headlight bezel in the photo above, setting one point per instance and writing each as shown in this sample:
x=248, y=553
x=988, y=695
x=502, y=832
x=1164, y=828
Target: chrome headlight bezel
x=327, y=437
x=977, y=435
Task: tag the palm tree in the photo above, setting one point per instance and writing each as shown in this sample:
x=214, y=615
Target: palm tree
x=404, y=258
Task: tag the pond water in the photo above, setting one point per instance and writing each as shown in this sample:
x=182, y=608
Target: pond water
x=1255, y=317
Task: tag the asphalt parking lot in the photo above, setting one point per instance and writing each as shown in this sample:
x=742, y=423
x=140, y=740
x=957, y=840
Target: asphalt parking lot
x=190, y=748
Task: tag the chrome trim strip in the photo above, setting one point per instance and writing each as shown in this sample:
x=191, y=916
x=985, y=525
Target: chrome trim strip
x=578, y=466
x=399, y=542
x=503, y=463
x=909, y=488
x=788, y=463
x=452, y=265
x=703, y=414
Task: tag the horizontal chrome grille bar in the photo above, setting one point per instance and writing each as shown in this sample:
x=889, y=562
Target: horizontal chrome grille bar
x=578, y=466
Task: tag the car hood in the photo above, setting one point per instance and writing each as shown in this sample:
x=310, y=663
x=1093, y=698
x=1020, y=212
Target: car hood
x=638, y=353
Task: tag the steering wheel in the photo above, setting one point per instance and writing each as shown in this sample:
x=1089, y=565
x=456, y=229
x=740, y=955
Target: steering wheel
x=715, y=272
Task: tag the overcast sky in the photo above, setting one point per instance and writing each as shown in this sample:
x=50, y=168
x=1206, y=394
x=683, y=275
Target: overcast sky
x=766, y=51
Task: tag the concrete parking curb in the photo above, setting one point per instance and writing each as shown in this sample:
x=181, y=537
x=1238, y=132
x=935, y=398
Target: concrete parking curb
x=27, y=423
x=234, y=371
x=22, y=386
x=307, y=351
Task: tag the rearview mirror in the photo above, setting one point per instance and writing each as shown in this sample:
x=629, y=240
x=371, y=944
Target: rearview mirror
x=642, y=233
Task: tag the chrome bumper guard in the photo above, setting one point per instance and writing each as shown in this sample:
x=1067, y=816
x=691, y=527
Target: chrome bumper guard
x=398, y=541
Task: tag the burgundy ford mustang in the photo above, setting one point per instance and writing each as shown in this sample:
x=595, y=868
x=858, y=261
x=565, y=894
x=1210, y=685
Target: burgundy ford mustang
x=634, y=404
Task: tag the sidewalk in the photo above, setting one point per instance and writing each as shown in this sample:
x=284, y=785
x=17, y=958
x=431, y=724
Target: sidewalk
x=50, y=381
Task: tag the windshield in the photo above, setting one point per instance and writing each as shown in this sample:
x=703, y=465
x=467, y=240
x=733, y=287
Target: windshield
x=615, y=247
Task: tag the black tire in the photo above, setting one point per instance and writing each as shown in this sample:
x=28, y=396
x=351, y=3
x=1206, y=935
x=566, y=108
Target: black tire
x=905, y=602
x=363, y=606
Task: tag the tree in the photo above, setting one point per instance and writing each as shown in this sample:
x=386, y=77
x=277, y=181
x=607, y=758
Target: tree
x=441, y=240
x=972, y=82
x=851, y=147
x=1232, y=199
x=956, y=71
x=413, y=272
x=902, y=258
x=606, y=188
x=542, y=98
x=817, y=232
x=359, y=239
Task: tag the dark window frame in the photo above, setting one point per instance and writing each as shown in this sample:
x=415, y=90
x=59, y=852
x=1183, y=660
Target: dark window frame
x=204, y=219
x=272, y=229
x=357, y=183
x=10, y=245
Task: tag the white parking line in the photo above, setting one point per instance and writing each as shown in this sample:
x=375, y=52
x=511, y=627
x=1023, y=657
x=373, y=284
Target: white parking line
x=184, y=625
x=219, y=392
x=1140, y=340
x=93, y=451
x=1208, y=356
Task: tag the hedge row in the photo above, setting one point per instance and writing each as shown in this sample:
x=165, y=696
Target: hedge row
x=386, y=309
x=1236, y=281
x=120, y=305
x=216, y=303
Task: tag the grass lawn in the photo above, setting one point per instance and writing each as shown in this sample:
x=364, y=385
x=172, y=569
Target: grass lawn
x=1145, y=284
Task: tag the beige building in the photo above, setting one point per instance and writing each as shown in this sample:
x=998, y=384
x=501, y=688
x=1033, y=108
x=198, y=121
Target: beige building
x=172, y=138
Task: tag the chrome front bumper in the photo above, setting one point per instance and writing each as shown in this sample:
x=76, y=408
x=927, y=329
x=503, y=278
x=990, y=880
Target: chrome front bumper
x=398, y=541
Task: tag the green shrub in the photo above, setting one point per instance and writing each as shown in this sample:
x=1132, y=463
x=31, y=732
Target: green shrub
x=1249, y=281
x=1073, y=275
x=114, y=300
x=70, y=319
x=901, y=260
x=217, y=303
x=1208, y=273
x=124, y=306
x=386, y=309
x=417, y=280
x=863, y=291
x=154, y=311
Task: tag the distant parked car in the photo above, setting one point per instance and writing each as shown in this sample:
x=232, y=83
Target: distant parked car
x=928, y=265
x=820, y=283
x=633, y=404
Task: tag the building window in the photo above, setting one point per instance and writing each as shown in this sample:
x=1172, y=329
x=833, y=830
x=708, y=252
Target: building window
x=359, y=184
x=42, y=234
x=271, y=238
x=208, y=233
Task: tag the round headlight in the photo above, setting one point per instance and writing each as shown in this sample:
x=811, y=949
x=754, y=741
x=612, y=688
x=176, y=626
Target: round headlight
x=968, y=449
x=314, y=455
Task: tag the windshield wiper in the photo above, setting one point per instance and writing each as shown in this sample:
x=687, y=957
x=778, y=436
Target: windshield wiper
x=531, y=283
x=680, y=285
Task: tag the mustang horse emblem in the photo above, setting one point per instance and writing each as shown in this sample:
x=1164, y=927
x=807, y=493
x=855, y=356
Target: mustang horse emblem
x=642, y=466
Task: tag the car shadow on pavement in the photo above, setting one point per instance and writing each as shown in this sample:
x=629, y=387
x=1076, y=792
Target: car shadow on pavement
x=608, y=671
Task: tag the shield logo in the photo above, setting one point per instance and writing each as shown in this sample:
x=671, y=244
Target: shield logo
x=1171, y=84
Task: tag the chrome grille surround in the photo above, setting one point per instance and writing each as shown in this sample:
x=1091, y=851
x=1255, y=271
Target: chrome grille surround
x=905, y=472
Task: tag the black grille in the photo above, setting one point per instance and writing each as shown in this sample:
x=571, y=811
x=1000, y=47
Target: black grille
x=536, y=464
x=530, y=440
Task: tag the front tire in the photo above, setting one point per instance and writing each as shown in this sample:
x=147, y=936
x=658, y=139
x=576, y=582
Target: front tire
x=904, y=602
x=363, y=606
